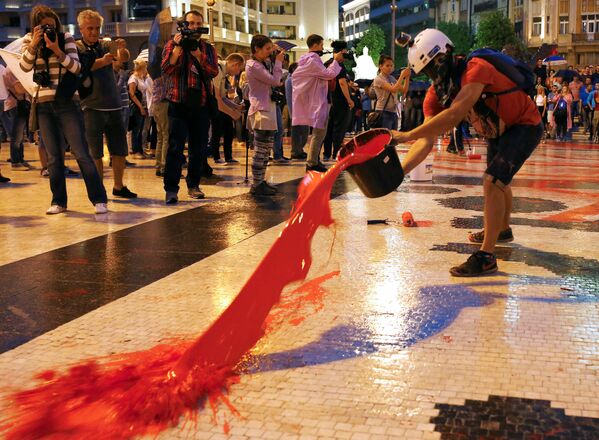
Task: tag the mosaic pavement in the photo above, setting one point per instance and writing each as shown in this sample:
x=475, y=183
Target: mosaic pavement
x=397, y=348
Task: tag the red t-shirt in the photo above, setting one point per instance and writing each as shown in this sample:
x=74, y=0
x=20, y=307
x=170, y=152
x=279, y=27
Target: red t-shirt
x=515, y=108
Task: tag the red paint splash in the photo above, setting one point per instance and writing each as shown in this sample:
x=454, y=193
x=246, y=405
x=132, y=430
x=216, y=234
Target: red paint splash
x=148, y=391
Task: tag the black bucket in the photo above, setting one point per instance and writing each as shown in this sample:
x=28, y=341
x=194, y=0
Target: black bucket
x=380, y=175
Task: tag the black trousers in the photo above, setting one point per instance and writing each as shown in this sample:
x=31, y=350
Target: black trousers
x=190, y=125
x=222, y=126
x=339, y=119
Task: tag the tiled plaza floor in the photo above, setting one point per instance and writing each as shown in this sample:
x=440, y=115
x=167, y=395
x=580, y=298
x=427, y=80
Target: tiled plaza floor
x=397, y=349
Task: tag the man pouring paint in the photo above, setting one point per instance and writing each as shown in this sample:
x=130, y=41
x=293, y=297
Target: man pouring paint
x=489, y=89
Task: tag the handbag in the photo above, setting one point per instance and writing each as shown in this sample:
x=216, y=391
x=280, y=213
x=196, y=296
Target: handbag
x=23, y=106
x=375, y=118
x=33, y=122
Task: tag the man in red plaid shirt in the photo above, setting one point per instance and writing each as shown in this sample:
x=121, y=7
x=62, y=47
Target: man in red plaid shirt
x=188, y=66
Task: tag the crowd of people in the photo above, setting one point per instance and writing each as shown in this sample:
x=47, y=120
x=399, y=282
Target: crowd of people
x=195, y=101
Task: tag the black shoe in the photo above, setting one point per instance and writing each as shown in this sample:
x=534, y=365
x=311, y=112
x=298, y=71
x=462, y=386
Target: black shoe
x=271, y=186
x=158, y=173
x=171, y=198
x=124, y=193
x=4, y=179
x=299, y=156
x=70, y=173
x=262, y=189
x=319, y=167
x=479, y=263
x=451, y=149
x=231, y=161
x=505, y=236
x=130, y=164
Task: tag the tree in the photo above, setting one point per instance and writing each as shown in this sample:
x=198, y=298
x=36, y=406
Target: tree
x=374, y=39
x=459, y=34
x=496, y=31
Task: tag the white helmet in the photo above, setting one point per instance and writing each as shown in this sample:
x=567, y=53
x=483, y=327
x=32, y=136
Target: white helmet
x=426, y=45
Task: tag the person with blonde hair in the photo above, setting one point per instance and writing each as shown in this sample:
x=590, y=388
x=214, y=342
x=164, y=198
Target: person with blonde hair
x=139, y=84
x=51, y=54
x=102, y=107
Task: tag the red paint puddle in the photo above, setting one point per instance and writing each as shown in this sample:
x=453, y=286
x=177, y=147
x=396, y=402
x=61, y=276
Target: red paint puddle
x=148, y=391
x=575, y=215
x=424, y=223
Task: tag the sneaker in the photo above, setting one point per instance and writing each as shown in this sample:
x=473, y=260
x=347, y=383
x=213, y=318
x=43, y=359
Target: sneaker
x=262, y=189
x=101, y=208
x=219, y=161
x=230, y=161
x=479, y=263
x=124, y=193
x=4, y=179
x=171, y=198
x=505, y=236
x=55, y=209
x=44, y=172
x=196, y=193
x=318, y=167
x=19, y=167
x=282, y=160
x=70, y=173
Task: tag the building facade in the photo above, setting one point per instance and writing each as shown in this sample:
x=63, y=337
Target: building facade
x=354, y=19
x=234, y=21
x=571, y=24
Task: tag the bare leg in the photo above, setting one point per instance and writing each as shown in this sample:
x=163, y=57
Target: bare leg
x=118, y=168
x=495, y=204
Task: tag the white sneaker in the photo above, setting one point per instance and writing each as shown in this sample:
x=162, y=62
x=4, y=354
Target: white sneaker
x=101, y=208
x=55, y=209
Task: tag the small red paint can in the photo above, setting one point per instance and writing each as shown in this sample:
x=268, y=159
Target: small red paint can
x=408, y=219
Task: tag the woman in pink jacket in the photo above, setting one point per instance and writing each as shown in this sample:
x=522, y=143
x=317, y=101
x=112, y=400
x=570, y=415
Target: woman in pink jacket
x=263, y=73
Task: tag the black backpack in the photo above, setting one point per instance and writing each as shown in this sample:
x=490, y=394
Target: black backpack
x=561, y=108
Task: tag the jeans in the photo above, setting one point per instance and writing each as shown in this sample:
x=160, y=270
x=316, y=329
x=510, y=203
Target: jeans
x=318, y=135
x=277, y=149
x=58, y=120
x=299, y=137
x=193, y=126
x=137, y=141
x=222, y=126
x=19, y=122
x=389, y=120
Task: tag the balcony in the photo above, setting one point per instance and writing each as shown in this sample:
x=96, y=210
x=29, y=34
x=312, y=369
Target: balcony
x=129, y=29
x=592, y=38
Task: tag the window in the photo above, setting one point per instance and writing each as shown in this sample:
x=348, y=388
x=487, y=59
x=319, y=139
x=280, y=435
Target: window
x=349, y=17
x=463, y=5
x=537, y=26
x=253, y=28
x=115, y=16
x=281, y=31
x=252, y=4
x=281, y=8
x=228, y=21
x=518, y=3
x=240, y=24
x=15, y=21
x=564, y=7
x=588, y=23
x=563, y=25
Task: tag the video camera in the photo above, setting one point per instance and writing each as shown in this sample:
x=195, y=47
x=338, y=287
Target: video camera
x=189, y=42
x=339, y=45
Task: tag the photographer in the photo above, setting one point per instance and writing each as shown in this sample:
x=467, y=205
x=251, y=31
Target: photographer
x=102, y=108
x=310, y=89
x=342, y=105
x=188, y=65
x=52, y=54
x=262, y=76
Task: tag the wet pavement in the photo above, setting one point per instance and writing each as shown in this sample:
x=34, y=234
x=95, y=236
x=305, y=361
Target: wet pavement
x=396, y=348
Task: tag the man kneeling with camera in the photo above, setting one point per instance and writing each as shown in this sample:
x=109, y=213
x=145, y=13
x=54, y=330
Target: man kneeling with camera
x=188, y=64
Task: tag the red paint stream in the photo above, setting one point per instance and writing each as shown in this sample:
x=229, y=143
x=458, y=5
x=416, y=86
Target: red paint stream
x=148, y=391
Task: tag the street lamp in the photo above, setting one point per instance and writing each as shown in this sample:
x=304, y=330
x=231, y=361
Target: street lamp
x=210, y=4
x=393, y=9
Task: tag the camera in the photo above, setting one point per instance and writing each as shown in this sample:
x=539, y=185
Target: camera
x=49, y=31
x=274, y=54
x=189, y=41
x=277, y=96
x=42, y=78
